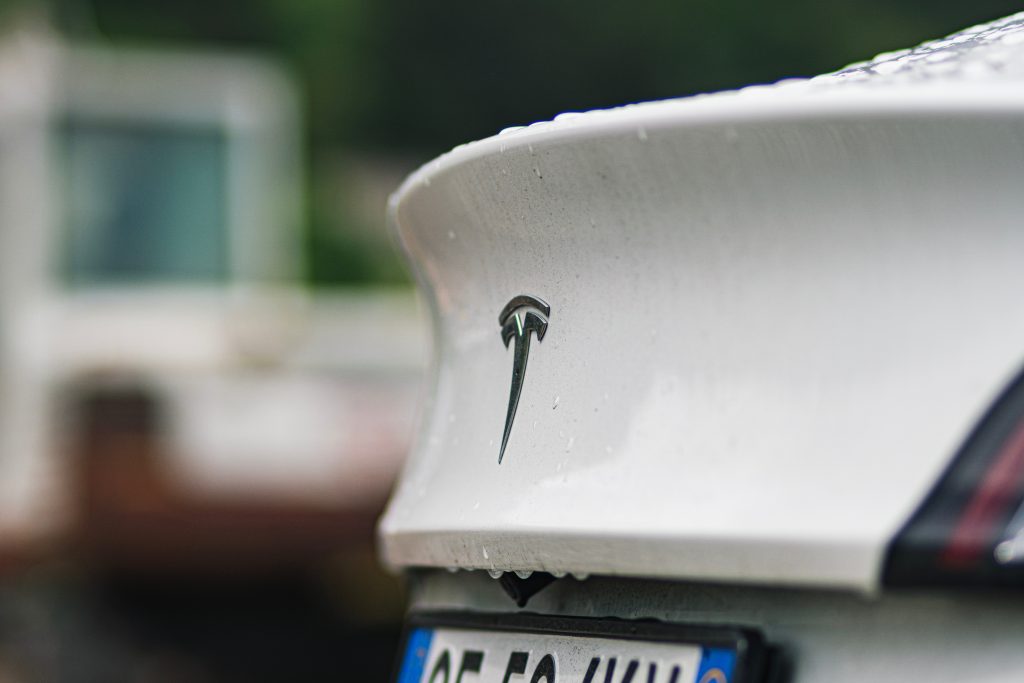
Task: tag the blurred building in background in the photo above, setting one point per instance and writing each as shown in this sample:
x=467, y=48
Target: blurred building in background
x=176, y=405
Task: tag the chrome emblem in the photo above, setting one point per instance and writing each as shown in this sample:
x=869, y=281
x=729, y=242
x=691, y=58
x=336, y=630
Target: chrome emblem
x=521, y=316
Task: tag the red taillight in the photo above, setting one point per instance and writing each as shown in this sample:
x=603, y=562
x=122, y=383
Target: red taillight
x=964, y=531
x=985, y=511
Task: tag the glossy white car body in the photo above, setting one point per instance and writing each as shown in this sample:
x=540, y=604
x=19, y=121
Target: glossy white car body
x=775, y=316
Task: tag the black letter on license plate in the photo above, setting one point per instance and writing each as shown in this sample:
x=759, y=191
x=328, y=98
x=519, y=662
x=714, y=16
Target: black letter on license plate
x=516, y=665
x=545, y=670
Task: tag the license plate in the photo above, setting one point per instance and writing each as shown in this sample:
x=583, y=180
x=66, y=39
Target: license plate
x=461, y=648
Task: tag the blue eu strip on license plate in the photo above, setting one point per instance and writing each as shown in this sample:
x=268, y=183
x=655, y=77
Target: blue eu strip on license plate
x=533, y=649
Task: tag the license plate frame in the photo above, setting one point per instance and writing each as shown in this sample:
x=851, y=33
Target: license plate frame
x=746, y=644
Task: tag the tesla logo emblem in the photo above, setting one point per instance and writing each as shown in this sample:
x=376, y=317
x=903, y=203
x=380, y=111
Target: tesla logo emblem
x=521, y=316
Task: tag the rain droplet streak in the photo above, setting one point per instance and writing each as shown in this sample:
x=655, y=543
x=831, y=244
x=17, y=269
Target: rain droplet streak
x=641, y=134
x=568, y=446
x=1013, y=38
x=554, y=405
x=887, y=67
x=1004, y=553
x=936, y=57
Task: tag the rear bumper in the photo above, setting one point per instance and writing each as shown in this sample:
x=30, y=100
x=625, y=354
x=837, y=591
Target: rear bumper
x=825, y=636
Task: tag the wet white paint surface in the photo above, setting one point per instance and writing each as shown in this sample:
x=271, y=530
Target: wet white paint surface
x=774, y=318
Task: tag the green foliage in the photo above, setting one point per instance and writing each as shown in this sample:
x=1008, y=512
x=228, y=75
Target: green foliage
x=342, y=258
